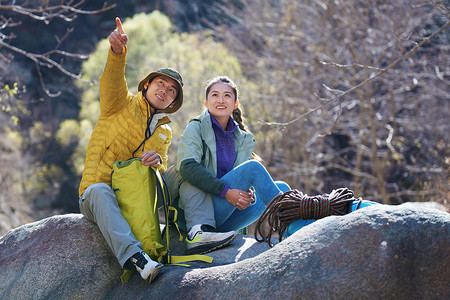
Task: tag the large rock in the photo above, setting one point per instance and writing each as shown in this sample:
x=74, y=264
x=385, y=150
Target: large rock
x=62, y=257
x=381, y=252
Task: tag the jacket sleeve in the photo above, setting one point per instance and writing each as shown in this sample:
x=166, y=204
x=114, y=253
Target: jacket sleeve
x=113, y=86
x=200, y=177
x=190, y=154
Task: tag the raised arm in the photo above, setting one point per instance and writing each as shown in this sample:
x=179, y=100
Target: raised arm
x=113, y=86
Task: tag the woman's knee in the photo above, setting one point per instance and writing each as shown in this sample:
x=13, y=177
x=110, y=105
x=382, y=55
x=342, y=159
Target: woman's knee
x=253, y=166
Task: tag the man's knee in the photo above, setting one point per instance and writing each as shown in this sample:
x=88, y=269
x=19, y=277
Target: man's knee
x=99, y=193
x=101, y=188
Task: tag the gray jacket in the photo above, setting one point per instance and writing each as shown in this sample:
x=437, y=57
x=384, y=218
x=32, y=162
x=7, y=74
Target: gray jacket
x=197, y=159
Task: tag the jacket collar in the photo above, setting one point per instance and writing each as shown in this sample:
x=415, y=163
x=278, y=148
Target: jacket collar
x=158, y=118
x=207, y=131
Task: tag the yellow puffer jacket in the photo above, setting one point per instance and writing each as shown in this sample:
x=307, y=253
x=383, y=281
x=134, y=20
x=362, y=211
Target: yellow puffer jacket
x=121, y=126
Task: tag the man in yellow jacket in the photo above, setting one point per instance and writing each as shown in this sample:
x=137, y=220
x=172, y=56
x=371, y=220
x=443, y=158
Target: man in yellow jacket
x=128, y=126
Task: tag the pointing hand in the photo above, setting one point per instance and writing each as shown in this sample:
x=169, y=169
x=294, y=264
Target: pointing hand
x=118, y=38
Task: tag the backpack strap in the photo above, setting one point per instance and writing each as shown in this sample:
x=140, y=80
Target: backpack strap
x=168, y=258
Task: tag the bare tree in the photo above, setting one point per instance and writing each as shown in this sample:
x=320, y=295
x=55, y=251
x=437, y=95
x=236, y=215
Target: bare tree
x=44, y=11
x=350, y=93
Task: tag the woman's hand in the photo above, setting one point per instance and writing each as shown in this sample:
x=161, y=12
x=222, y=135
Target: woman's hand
x=151, y=158
x=240, y=199
x=118, y=38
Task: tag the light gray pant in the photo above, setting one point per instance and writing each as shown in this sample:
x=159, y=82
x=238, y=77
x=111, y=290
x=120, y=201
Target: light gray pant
x=99, y=205
x=197, y=205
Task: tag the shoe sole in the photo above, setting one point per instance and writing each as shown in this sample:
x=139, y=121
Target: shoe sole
x=201, y=250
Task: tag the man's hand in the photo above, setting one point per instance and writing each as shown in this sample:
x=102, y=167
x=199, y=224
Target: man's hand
x=151, y=158
x=118, y=38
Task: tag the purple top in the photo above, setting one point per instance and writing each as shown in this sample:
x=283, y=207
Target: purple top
x=225, y=151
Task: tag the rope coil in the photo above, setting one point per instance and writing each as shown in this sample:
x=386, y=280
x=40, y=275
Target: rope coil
x=293, y=205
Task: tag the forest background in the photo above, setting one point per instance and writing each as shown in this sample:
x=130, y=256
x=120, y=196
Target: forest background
x=337, y=93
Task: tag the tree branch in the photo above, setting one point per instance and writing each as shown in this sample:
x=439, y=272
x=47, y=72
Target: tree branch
x=66, y=10
x=45, y=13
x=370, y=78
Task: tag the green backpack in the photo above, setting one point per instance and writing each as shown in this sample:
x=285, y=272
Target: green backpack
x=139, y=189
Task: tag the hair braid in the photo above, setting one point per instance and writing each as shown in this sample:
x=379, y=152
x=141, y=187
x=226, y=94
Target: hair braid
x=237, y=116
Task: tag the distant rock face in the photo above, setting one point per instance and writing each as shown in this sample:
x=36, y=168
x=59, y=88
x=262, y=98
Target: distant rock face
x=17, y=212
x=379, y=252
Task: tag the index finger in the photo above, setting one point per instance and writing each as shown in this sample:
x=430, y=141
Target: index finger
x=119, y=26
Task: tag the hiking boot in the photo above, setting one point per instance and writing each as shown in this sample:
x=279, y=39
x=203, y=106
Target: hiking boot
x=203, y=239
x=147, y=267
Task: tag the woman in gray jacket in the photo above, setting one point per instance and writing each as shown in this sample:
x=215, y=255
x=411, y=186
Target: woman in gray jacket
x=214, y=157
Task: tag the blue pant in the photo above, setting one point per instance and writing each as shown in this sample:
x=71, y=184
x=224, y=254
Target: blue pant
x=298, y=224
x=248, y=174
x=252, y=174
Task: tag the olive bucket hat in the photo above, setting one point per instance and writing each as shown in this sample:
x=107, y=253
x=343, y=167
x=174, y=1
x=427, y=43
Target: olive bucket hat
x=175, y=76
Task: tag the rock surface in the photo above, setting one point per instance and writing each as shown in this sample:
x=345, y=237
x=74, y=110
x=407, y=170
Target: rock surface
x=382, y=252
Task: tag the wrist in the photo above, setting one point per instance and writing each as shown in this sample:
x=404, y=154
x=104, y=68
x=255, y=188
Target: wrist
x=224, y=191
x=118, y=50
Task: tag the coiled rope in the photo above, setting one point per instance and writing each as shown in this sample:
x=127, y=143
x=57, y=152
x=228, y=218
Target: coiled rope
x=293, y=205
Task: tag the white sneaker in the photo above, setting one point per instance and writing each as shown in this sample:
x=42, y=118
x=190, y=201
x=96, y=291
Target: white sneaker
x=147, y=267
x=203, y=239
